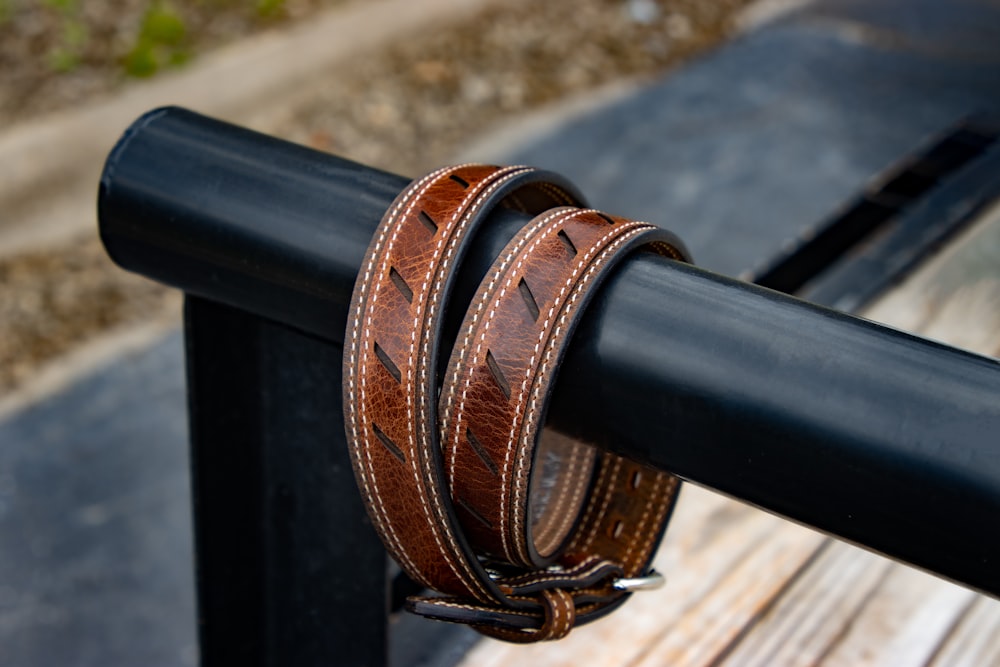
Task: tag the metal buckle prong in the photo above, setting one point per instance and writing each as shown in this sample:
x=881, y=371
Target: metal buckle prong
x=650, y=582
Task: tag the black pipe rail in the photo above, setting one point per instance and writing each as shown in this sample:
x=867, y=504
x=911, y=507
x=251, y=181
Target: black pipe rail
x=881, y=438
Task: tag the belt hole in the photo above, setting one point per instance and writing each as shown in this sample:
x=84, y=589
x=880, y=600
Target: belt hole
x=461, y=181
x=389, y=444
x=400, y=284
x=529, y=299
x=636, y=479
x=564, y=237
x=497, y=373
x=617, y=529
x=607, y=218
x=480, y=451
x=475, y=514
x=388, y=363
x=427, y=222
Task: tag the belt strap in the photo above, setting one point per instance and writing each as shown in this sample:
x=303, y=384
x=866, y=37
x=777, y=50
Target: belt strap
x=548, y=573
x=390, y=357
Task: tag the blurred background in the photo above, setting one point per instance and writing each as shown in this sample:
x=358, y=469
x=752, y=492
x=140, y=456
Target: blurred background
x=739, y=124
x=95, y=533
x=402, y=105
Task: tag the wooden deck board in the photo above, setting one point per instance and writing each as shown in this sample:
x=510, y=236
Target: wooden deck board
x=744, y=591
x=975, y=640
x=908, y=618
x=746, y=588
x=801, y=628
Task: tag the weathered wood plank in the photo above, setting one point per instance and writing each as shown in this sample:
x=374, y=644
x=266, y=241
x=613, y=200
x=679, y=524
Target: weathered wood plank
x=904, y=622
x=975, y=639
x=749, y=586
x=811, y=616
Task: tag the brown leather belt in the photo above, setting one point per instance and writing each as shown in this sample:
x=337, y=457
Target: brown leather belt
x=525, y=536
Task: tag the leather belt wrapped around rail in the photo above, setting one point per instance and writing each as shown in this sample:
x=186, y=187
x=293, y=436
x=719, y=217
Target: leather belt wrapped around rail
x=523, y=533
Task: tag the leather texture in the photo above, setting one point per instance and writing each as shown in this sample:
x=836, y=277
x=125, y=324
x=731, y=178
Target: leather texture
x=391, y=353
x=501, y=373
x=450, y=487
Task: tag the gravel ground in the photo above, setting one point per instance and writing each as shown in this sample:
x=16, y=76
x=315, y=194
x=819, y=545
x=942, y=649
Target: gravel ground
x=405, y=108
x=56, y=53
x=53, y=301
x=410, y=107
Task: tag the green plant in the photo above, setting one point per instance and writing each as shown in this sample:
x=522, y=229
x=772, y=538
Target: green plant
x=67, y=54
x=270, y=8
x=65, y=6
x=162, y=41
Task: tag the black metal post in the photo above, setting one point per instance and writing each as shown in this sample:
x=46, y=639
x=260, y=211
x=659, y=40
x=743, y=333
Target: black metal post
x=867, y=433
x=289, y=571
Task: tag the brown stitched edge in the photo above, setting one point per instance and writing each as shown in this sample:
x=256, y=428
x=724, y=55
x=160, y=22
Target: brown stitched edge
x=364, y=288
x=587, y=266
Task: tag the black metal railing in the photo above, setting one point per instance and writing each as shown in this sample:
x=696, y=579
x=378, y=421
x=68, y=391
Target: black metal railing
x=881, y=438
